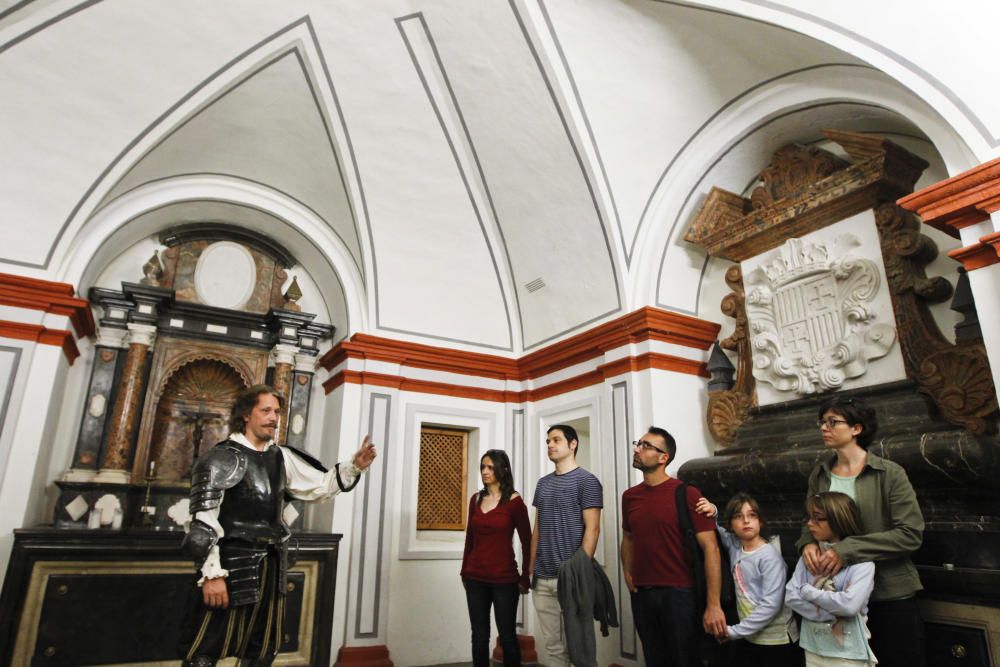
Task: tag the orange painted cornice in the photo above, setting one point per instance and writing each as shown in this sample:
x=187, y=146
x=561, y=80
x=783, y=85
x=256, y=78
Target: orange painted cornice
x=49, y=297
x=959, y=201
x=39, y=334
x=641, y=325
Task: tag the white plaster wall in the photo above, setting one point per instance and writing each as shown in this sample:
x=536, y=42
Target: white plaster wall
x=31, y=422
x=424, y=568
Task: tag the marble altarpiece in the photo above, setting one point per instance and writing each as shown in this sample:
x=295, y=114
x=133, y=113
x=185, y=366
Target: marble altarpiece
x=207, y=316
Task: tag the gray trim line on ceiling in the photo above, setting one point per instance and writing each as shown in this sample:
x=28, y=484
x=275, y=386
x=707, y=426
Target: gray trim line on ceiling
x=970, y=115
x=239, y=178
x=576, y=151
x=329, y=136
x=42, y=26
x=705, y=173
x=627, y=251
x=718, y=112
x=461, y=171
x=938, y=85
x=353, y=155
x=305, y=20
x=312, y=242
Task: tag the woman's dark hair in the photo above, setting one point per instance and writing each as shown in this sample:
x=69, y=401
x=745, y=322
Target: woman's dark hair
x=245, y=402
x=856, y=413
x=841, y=512
x=735, y=506
x=501, y=470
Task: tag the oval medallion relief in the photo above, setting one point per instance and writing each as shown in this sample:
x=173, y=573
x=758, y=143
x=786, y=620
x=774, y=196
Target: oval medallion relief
x=225, y=275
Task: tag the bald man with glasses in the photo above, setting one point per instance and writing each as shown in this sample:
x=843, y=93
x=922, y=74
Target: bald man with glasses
x=659, y=567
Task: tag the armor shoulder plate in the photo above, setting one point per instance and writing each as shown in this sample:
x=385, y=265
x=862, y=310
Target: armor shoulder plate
x=315, y=463
x=221, y=468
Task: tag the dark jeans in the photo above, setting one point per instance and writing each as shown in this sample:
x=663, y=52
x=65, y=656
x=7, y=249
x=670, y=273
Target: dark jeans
x=745, y=654
x=504, y=598
x=897, y=633
x=668, y=626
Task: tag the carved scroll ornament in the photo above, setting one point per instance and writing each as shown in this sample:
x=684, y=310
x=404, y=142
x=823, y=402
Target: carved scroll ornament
x=812, y=321
x=728, y=409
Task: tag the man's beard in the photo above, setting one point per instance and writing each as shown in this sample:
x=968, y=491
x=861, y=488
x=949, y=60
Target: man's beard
x=638, y=465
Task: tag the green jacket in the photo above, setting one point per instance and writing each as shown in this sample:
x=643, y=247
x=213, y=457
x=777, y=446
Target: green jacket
x=892, y=520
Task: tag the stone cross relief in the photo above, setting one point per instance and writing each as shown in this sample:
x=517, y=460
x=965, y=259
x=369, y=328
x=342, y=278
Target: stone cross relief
x=813, y=324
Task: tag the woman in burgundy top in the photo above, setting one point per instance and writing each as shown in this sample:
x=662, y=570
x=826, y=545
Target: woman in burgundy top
x=489, y=572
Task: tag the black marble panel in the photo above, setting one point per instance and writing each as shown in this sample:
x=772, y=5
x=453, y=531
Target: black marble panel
x=298, y=409
x=97, y=409
x=955, y=473
x=955, y=646
x=120, y=597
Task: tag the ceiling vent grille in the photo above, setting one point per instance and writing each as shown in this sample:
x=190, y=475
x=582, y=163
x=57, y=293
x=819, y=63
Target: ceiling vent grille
x=535, y=285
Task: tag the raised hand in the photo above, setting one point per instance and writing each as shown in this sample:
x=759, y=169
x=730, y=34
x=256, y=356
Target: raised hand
x=365, y=455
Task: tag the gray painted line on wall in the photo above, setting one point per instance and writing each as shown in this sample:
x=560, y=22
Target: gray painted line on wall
x=619, y=444
x=13, y=8
x=354, y=160
x=149, y=128
x=458, y=163
x=705, y=173
x=708, y=121
x=575, y=327
x=576, y=150
x=590, y=131
x=969, y=114
x=938, y=85
x=309, y=239
x=336, y=160
x=42, y=26
x=364, y=524
x=233, y=203
x=518, y=463
x=16, y=351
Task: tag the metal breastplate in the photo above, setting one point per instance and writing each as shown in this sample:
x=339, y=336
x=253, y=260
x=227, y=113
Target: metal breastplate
x=251, y=510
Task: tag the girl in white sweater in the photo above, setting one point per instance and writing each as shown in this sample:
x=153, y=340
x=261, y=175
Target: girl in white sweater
x=833, y=609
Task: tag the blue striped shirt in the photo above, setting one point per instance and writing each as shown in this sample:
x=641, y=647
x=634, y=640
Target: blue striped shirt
x=560, y=501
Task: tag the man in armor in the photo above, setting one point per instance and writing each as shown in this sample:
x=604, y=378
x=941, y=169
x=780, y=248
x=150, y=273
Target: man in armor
x=238, y=536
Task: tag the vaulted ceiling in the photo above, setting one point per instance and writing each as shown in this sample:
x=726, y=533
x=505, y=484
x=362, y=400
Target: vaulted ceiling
x=493, y=174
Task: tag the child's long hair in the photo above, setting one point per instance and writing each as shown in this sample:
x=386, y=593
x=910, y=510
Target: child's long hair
x=841, y=512
x=501, y=469
x=735, y=505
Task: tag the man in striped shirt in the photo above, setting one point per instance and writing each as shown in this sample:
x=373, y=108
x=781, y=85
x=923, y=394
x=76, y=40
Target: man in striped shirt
x=568, y=506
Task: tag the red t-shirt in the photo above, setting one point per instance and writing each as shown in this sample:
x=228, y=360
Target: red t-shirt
x=489, y=544
x=660, y=556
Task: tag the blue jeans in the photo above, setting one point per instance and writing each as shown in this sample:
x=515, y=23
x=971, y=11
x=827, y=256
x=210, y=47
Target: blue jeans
x=667, y=622
x=504, y=598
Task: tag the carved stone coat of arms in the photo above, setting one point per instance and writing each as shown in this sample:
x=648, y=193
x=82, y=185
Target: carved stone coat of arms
x=812, y=321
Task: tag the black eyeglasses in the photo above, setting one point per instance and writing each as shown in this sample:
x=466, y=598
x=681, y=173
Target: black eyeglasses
x=830, y=422
x=648, y=445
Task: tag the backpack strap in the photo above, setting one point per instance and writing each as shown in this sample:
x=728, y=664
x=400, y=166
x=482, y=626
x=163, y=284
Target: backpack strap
x=691, y=543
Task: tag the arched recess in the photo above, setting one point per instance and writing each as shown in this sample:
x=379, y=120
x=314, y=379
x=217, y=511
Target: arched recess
x=191, y=414
x=782, y=106
x=123, y=222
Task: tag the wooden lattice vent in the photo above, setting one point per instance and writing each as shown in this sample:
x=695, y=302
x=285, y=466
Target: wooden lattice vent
x=442, y=486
